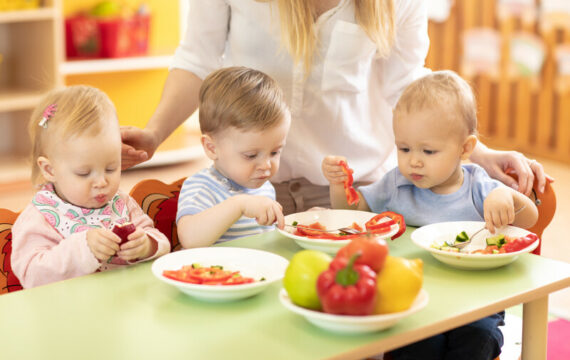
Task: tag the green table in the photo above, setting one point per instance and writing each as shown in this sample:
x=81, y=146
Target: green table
x=129, y=314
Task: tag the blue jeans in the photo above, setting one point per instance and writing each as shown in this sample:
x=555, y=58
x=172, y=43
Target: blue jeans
x=479, y=340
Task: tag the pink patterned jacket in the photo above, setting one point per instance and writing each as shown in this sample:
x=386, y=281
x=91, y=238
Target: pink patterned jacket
x=42, y=255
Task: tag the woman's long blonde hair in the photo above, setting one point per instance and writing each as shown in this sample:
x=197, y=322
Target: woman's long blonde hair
x=297, y=18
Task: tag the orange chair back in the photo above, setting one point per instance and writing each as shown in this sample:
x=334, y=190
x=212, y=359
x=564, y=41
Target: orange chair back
x=546, y=205
x=160, y=202
x=8, y=281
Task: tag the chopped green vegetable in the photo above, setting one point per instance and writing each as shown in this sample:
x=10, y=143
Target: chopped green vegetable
x=498, y=240
x=461, y=237
x=295, y=223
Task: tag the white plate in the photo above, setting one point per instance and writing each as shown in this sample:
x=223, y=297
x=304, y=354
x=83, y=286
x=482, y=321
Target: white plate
x=354, y=324
x=438, y=233
x=249, y=262
x=331, y=219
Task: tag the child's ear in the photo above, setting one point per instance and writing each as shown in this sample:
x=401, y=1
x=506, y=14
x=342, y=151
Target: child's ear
x=46, y=168
x=209, y=146
x=468, y=146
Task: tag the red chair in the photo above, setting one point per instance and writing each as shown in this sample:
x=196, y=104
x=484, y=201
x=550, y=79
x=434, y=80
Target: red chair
x=160, y=201
x=8, y=281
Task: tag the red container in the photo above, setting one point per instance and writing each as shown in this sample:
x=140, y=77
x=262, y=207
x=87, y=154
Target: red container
x=89, y=37
x=82, y=38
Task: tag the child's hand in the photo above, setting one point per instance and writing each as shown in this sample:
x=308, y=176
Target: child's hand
x=332, y=170
x=139, y=246
x=103, y=243
x=265, y=211
x=499, y=209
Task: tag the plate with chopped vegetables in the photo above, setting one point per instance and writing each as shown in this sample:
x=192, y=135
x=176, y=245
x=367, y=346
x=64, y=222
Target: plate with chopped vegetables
x=220, y=273
x=322, y=230
x=485, y=251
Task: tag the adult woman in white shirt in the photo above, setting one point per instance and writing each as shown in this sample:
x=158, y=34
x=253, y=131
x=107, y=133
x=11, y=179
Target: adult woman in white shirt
x=342, y=65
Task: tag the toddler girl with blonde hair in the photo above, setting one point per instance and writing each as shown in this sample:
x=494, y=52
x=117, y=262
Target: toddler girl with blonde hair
x=66, y=230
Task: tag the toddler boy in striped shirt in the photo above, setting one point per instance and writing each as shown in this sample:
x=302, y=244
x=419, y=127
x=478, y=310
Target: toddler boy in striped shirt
x=244, y=123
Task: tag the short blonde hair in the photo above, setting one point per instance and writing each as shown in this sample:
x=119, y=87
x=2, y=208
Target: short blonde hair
x=440, y=89
x=79, y=110
x=240, y=97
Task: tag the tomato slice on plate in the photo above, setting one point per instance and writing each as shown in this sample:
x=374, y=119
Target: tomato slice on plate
x=209, y=274
x=180, y=275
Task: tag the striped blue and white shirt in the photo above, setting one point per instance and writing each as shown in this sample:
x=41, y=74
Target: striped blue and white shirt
x=208, y=188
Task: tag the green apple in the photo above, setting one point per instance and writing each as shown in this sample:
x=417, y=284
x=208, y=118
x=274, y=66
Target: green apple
x=106, y=8
x=301, y=275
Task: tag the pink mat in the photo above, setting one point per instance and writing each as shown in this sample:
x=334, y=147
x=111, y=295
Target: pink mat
x=558, y=340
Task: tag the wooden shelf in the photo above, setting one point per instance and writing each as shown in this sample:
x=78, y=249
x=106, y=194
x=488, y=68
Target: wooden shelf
x=74, y=67
x=19, y=99
x=44, y=13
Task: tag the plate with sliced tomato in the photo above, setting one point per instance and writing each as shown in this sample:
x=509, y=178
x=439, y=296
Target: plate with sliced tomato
x=220, y=273
x=484, y=251
x=318, y=229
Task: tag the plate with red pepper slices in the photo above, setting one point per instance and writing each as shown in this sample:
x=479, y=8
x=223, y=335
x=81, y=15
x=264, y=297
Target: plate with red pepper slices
x=220, y=273
x=384, y=225
x=430, y=236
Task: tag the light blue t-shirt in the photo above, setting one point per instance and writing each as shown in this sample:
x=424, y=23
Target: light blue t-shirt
x=422, y=206
x=207, y=188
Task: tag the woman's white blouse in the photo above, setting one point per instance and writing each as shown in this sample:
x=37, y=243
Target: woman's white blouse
x=344, y=107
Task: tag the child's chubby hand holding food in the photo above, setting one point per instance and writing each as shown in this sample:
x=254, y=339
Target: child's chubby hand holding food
x=504, y=206
x=137, y=247
x=333, y=170
x=265, y=210
x=104, y=244
x=342, y=193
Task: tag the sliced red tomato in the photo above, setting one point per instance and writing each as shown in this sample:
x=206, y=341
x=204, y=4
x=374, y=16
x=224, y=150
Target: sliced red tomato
x=357, y=227
x=206, y=274
x=237, y=280
x=209, y=275
x=351, y=195
x=180, y=275
x=306, y=230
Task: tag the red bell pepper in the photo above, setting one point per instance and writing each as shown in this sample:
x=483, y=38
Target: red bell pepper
x=351, y=195
x=379, y=222
x=373, y=251
x=346, y=288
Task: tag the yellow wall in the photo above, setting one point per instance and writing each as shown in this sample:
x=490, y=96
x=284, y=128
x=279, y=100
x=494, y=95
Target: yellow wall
x=135, y=93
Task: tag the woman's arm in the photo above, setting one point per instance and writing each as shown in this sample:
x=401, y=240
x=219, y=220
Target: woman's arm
x=496, y=163
x=179, y=100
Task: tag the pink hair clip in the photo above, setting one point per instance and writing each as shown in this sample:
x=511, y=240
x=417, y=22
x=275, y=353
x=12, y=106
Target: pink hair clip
x=49, y=112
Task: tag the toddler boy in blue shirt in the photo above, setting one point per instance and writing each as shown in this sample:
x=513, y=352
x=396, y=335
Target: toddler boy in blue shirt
x=435, y=130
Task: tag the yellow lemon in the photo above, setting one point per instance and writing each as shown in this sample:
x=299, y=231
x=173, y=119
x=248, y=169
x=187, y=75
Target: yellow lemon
x=398, y=284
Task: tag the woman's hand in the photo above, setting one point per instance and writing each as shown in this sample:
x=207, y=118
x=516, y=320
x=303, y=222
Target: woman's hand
x=496, y=163
x=138, y=145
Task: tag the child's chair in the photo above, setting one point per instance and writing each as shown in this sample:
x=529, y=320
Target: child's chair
x=8, y=281
x=160, y=201
x=546, y=205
